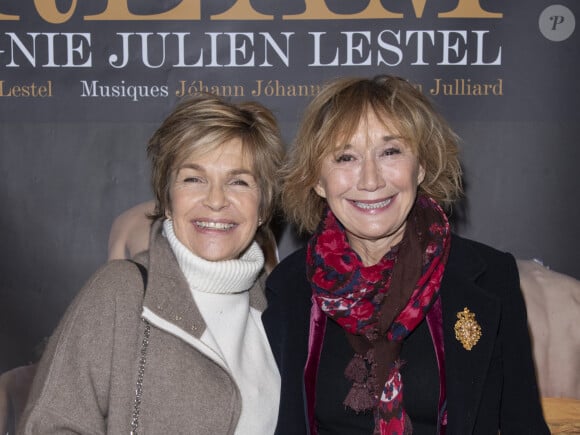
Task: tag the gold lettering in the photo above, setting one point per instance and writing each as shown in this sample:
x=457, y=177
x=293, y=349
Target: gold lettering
x=33, y=90
x=118, y=10
x=469, y=9
x=242, y=10
x=50, y=13
x=318, y=10
x=6, y=17
x=419, y=7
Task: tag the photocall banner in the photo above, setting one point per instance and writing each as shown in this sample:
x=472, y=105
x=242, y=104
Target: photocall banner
x=83, y=85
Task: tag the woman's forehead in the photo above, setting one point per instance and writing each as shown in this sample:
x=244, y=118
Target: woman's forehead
x=202, y=151
x=367, y=124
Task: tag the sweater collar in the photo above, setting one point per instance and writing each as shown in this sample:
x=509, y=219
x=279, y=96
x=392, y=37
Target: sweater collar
x=221, y=277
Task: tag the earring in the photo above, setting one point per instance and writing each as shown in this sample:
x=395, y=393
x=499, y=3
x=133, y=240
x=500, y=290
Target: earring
x=260, y=222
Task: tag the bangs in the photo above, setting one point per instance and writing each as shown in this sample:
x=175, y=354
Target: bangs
x=340, y=133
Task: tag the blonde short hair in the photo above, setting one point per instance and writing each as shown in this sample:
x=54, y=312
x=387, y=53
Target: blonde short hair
x=335, y=113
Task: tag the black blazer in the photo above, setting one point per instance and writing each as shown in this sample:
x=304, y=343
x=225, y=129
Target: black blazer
x=489, y=388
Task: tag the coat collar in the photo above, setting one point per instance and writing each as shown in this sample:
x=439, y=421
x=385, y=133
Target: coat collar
x=466, y=368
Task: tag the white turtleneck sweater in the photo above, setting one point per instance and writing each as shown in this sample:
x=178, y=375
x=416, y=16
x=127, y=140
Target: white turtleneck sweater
x=234, y=330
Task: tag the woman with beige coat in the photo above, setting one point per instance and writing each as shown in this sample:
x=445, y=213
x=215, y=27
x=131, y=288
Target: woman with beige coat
x=173, y=342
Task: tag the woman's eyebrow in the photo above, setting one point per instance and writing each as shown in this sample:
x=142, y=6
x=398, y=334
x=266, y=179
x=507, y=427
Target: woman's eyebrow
x=241, y=171
x=194, y=166
x=389, y=138
x=235, y=171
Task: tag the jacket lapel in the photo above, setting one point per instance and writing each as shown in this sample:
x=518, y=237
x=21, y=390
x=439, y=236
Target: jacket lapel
x=167, y=293
x=466, y=369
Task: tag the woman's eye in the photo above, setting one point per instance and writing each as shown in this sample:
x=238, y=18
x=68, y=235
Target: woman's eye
x=239, y=182
x=344, y=158
x=192, y=180
x=391, y=151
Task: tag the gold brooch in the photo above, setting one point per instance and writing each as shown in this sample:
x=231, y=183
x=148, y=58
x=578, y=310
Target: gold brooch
x=467, y=330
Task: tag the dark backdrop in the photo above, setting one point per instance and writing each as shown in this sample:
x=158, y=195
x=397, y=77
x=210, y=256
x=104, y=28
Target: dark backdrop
x=72, y=157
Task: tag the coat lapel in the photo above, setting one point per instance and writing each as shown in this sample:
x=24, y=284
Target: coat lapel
x=167, y=293
x=466, y=369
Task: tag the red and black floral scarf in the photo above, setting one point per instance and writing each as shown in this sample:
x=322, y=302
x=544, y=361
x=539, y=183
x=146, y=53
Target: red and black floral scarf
x=378, y=306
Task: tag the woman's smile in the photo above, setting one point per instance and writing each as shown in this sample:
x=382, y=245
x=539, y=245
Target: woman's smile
x=370, y=205
x=214, y=225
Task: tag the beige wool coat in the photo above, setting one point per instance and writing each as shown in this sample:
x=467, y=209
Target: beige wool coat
x=87, y=378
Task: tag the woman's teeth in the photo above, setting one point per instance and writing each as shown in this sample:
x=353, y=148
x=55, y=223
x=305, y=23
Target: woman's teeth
x=214, y=225
x=374, y=205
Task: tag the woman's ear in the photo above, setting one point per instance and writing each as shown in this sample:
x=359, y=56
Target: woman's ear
x=421, y=174
x=320, y=190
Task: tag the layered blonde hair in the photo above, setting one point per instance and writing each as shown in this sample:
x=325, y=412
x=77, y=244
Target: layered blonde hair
x=333, y=116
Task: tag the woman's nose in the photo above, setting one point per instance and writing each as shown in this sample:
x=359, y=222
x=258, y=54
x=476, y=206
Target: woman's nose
x=216, y=198
x=371, y=177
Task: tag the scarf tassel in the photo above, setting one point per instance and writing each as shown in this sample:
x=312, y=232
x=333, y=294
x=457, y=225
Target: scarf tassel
x=356, y=370
x=360, y=398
